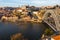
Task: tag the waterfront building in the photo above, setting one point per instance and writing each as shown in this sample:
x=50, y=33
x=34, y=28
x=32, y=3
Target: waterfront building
x=11, y=19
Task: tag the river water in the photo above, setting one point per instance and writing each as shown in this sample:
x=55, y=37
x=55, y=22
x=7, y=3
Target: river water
x=32, y=31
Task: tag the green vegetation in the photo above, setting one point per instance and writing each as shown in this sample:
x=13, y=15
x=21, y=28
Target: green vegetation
x=49, y=32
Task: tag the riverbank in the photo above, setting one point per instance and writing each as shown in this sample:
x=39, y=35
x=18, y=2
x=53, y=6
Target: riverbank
x=15, y=18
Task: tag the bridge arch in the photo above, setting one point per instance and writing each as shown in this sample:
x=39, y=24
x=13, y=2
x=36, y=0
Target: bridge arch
x=51, y=14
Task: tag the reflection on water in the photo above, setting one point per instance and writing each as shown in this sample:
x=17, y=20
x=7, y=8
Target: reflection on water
x=29, y=30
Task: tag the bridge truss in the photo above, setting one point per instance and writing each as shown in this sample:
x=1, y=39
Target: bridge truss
x=52, y=18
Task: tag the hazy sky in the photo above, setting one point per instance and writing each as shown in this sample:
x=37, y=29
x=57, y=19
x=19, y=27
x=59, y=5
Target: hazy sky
x=28, y=2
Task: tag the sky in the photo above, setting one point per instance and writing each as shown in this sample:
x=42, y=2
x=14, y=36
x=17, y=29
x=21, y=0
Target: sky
x=16, y=3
